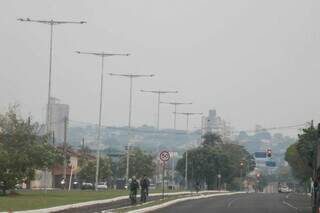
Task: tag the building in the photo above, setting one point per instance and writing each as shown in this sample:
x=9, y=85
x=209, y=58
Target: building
x=215, y=124
x=59, y=117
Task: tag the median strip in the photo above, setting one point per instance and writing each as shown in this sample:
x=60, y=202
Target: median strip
x=97, y=202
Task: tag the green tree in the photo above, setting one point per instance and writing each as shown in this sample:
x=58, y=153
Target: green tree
x=88, y=171
x=85, y=155
x=301, y=154
x=213, y=158
x=22, y=150
x=141, y=164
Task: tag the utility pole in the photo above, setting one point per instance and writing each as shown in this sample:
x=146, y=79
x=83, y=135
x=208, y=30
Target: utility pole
x=102, y=55
x=65, y=151
x=158, y=92
x=51, y=23
x=186, y=172
x=188, y=114
x=316, y=174
x=172, y=159
x=241, y=170
x=175, y=104
x=131, y=77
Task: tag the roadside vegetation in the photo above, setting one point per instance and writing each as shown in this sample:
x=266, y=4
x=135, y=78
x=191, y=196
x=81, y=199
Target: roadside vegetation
x=301, y=155
x=214, y=158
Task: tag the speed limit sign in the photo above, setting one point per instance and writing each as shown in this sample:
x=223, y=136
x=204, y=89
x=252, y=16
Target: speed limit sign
x=164, y=156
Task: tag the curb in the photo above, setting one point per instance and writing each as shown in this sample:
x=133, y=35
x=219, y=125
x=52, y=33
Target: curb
x=163, y=205
x=94, y=202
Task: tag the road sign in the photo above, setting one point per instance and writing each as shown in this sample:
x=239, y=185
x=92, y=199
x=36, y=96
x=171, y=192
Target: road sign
x=260, y=155
x=164, y=156
x=271, y=163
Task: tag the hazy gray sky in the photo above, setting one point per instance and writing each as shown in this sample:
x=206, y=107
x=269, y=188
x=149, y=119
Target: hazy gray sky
x=254, y=61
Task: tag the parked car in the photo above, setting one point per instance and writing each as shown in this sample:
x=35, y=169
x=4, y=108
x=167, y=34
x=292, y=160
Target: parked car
x=87, y=185
x=102, y=186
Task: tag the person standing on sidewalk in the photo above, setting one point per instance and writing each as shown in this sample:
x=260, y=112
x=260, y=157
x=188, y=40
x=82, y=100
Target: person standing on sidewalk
x=144, y=183
x=134, y=186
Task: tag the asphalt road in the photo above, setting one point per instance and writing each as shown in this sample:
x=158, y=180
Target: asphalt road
x=244, y=203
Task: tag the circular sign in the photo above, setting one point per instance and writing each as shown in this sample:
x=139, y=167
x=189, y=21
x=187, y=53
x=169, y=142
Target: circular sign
x=164, y=156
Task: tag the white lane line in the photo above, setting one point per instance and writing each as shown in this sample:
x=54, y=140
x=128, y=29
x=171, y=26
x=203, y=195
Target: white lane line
x=291, y=206
x=232, y=201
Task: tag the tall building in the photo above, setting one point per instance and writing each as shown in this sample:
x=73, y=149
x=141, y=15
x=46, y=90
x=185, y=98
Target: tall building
x=59, y=115
x=215, y=124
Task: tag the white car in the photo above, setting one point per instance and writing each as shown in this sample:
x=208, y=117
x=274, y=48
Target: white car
x=284, y=189
x=102, y=186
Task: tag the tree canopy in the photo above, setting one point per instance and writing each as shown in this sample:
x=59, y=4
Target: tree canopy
x=22, y=150
x=141, y=164
x=300, y=155
x=88, y=170
x=213, y=158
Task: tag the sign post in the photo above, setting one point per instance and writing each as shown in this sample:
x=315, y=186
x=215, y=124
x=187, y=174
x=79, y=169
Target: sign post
x=164, y=157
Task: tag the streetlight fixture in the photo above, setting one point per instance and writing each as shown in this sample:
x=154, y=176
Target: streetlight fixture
x=49, y=110
x=159, y=92
x=51, y=23
x=188, y=114
x=131, y=77
x=175, y=104
x=102, y=55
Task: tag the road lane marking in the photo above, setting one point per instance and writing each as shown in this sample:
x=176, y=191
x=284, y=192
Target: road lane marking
x=232, y=201
x=291, y=206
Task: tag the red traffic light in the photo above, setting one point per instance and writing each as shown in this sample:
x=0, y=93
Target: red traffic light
x=258, y=175
x=269, y=153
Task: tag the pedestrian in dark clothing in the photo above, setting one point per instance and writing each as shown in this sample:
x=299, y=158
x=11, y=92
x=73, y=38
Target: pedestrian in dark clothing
x=144, y=184
x=134, y=186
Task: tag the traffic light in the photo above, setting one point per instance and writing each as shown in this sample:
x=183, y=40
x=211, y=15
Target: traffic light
x=241, y=164
x=269, y=153
x=258, y=175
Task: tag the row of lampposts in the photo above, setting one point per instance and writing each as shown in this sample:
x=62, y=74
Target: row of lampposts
x=103, y=55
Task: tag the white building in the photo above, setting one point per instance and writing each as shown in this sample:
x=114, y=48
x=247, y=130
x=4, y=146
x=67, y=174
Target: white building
x=215, y=124
x=60, y=115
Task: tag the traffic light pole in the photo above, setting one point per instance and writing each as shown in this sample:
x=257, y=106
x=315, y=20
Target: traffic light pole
x=316, y=176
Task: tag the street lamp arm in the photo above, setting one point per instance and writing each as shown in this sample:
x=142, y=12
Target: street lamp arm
x=130, y=75
x=50, y=21
x=158, y=91
x=176, y=103
x=102, y=54
x=188, y=113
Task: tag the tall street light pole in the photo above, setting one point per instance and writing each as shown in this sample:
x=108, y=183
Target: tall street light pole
x=131, y=77
x=175, y=104
x=188, y=114
x=51, y=23
x=102, y=55
x=159, y=92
